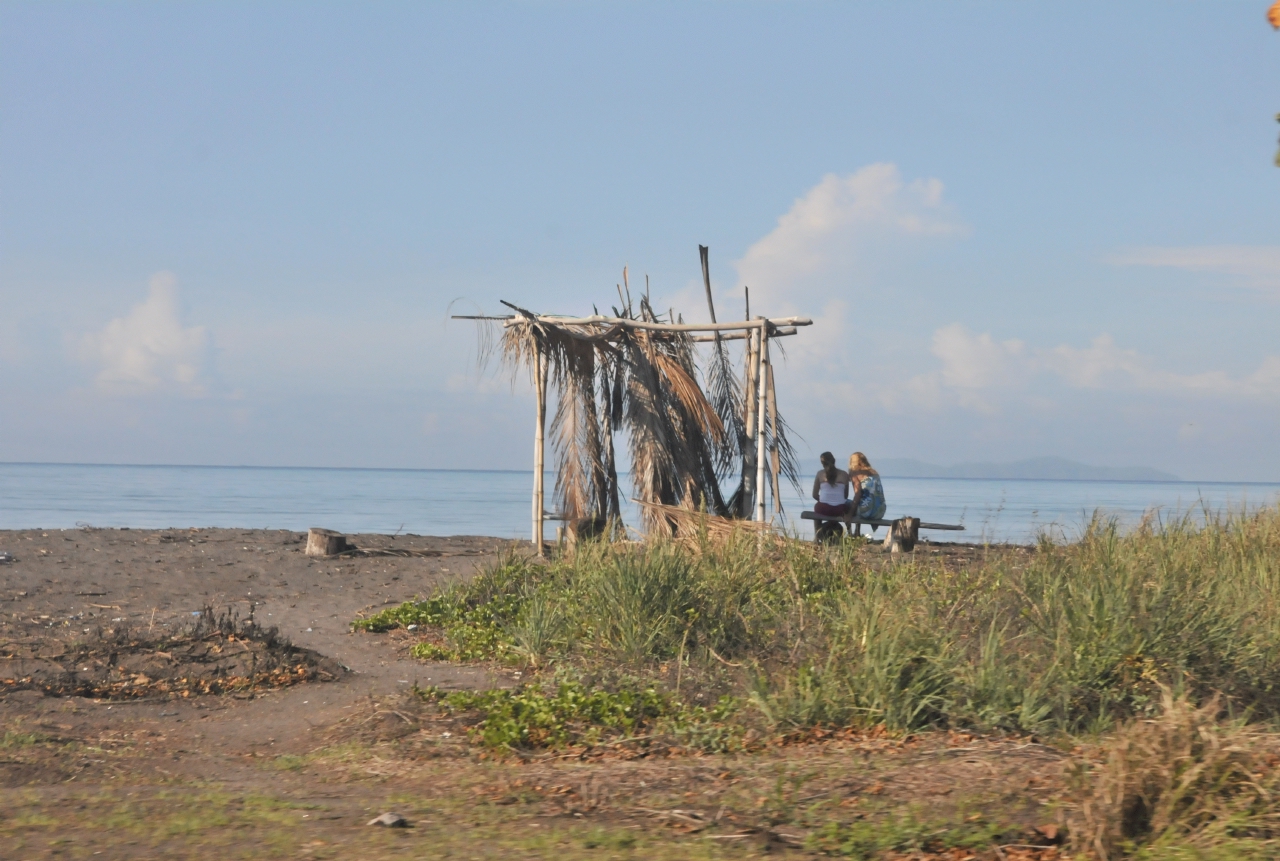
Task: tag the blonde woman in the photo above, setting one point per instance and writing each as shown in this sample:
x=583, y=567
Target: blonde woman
x=868, y=493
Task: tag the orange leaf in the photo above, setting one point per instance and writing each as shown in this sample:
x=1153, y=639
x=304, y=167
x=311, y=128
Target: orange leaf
x=1273, y=15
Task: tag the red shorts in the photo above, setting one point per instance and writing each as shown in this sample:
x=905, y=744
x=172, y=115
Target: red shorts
x=830, y=510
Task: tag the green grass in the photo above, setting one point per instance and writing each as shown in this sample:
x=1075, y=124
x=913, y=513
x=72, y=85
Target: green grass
x=1072, y=638
x=200, y=822
x=13, y=740
x=155, y=818
x=1111, y=634
x=910, y=831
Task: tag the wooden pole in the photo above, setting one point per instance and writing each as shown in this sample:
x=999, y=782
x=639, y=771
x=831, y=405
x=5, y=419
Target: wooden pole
x=540, y=389
x=748, y=454
x=703, y=252
x=761, y=382
x=775, y=461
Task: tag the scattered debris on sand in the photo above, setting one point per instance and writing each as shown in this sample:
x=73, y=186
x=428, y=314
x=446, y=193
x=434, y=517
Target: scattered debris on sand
x=219, y=654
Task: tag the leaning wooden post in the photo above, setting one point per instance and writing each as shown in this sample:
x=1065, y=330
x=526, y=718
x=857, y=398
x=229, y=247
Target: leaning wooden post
x=775, y=465
x=761, y=384
x=540, y=389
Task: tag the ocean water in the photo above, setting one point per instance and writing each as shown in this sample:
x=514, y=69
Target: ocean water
x=475, y=502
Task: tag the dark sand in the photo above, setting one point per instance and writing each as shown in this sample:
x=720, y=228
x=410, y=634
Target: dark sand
x=297, y=771
x=66, y=585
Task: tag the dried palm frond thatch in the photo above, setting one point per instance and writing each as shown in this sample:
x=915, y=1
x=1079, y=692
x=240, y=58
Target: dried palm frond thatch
x=683, y=523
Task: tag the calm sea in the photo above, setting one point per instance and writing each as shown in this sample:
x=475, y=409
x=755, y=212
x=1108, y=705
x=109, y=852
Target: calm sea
x=473, y=502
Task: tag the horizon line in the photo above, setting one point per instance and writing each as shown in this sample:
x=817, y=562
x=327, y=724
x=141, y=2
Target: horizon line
x=530, y=472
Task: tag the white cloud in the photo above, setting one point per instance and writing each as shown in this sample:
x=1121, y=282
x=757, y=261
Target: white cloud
x=1259, y=265
x=845, y=253
x=150, y=349
x=978, y=363
x=970, y=362
x=1104, y=365
x=826, y=231
x=822, y=258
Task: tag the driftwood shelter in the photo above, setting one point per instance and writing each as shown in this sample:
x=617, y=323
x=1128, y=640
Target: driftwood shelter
x=691, y=419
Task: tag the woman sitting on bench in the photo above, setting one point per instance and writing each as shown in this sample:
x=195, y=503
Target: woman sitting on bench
x=831, y=488
x=868, y=493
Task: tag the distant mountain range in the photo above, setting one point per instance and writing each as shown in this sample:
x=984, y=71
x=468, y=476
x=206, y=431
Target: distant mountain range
x=1036, y=467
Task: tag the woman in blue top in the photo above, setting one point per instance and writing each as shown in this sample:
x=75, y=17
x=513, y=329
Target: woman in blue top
x=868, y=493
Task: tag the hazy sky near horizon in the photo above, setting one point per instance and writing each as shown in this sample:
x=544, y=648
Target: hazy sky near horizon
x=232, y=233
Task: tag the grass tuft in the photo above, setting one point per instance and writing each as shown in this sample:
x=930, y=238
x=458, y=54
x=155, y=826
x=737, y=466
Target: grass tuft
x=1181, y=783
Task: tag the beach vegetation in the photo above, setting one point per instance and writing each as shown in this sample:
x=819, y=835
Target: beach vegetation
x=1148, y=659
x=1068, y=638
x=572, y=713
x=912, y=831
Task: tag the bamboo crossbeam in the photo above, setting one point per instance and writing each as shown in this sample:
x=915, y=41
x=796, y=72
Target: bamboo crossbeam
x=781, y=326
x=598, y=320
x=742, y=336
x=780, y=332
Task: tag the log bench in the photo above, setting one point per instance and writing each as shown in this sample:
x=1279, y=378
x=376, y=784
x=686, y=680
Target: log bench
x=903, y=532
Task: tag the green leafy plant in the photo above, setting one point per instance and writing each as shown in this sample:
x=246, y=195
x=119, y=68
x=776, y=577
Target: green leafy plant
x=572, y=713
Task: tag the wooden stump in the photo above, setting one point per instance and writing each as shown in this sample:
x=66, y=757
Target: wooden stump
x=903, y=535
x=325, y=542
x=585, y=529
x=828, y=531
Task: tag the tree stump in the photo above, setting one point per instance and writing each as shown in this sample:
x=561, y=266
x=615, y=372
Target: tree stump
x=903, y=535
x=828, y=531
x=325, y=542
x=586, y=529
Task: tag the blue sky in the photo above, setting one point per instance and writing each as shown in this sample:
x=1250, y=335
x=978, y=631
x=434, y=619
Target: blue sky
x=232, y=233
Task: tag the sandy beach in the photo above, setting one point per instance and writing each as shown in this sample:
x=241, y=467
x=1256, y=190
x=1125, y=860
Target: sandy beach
x=77, y=585
x=296, y=769
x=67, y=584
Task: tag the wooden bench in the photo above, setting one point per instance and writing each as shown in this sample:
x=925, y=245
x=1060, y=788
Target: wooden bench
x=903, y=532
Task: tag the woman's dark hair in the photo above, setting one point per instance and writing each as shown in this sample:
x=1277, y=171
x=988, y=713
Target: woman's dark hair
x=829, y=461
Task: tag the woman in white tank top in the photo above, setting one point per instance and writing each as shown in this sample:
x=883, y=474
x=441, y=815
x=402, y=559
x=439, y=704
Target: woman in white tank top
x=830, y=488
